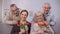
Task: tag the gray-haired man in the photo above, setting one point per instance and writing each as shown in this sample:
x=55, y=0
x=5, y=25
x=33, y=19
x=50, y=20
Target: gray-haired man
x=48, y=16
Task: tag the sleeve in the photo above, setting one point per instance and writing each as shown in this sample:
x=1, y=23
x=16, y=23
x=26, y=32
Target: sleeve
x=32, y=29
x=15, y=30
x=7, y=18
x=52, y=21
x=35, y=27
x=51, y=29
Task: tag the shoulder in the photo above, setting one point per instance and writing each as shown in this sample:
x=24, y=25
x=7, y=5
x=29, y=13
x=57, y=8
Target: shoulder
x=9, y=13
x=20, y=9
x=28, y=23
x=51, y=15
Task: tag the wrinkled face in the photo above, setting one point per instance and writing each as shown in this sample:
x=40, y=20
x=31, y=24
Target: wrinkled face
x=39, y=17
x=46, y=8
x=14, y=8
x=23, y=16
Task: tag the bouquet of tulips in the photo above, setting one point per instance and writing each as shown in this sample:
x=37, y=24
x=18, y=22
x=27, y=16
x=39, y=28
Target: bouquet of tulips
x=43, y=24
x=22, y=25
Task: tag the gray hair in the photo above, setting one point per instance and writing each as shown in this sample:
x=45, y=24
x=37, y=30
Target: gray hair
x=47, y=4
x=34, y=20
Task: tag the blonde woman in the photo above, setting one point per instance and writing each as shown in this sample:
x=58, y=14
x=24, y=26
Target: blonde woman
x=40, y=26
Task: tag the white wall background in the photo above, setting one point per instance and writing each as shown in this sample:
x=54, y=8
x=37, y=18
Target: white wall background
x=0, y=16
x=0, y=9
x=35, y=5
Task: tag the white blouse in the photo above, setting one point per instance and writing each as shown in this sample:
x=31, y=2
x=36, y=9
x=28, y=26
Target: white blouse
x=35, y=27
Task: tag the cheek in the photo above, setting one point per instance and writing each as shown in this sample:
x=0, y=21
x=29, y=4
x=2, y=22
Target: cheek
x=40, y=18
x=13, y=8
x=37, y=18
x=25, y=16
x=48, y=9
x=44, y=8
x=21, y=16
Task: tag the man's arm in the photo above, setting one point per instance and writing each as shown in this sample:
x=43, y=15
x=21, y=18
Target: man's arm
x=52, y=21
x=9, y=20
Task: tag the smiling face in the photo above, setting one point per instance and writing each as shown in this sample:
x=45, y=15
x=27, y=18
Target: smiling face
x=46, y=8
x=38, y=17
x=23, y=15
x=13, y=7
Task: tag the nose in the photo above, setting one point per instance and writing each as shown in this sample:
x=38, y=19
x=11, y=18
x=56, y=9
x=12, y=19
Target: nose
x=23, y=16
x=46, y=9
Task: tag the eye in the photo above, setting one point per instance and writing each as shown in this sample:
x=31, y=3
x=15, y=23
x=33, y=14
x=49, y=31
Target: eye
x=37, y=16
x=25, y=15
x=22, y=14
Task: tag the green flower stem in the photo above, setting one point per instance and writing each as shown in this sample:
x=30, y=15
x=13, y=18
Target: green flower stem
x=22, y=26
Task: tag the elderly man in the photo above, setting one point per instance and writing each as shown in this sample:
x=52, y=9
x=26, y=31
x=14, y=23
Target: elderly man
x=48, y=16
x=11, y=18
x=12, y=15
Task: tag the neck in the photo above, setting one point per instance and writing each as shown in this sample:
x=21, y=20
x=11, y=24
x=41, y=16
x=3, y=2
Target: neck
x=45, y=14
x=22, y=20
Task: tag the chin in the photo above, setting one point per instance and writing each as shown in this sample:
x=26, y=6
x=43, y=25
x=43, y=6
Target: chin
x=40, y=20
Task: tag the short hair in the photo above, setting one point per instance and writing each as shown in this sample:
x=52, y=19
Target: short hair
x=12, y=5
x=24, y=11
x=35, y=15
x=47, y=4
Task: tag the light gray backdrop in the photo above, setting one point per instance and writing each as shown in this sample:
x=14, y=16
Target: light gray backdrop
x=33, y=6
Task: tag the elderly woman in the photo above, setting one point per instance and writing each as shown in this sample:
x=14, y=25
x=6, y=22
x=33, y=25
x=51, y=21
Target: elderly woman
x=40, y=26
x=23, y=26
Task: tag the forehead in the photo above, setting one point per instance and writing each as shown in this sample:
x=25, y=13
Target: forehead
x=38, y=14
x=47, y=5
x=23, y=13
